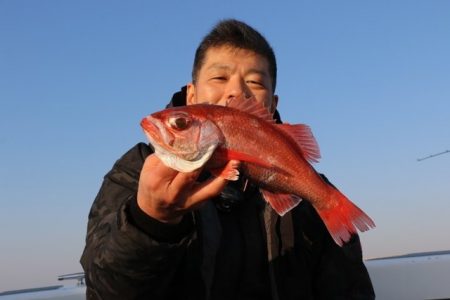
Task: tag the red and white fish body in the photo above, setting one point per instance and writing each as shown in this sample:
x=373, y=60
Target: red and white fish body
x=276, y=157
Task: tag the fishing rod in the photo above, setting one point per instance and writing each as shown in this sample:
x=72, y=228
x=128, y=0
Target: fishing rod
x=433, y=155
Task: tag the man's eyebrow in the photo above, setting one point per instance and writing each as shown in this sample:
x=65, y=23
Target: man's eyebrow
x=220, y=66
x=258, y=71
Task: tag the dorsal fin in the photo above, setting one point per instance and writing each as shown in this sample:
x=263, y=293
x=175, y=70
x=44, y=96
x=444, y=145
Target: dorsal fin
x=253, y=107
x=304, y=138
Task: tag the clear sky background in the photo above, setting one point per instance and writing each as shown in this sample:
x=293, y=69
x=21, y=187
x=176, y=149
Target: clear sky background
x=371, y=78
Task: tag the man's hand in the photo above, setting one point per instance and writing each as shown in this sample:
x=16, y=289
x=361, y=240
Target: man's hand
x=166, y=194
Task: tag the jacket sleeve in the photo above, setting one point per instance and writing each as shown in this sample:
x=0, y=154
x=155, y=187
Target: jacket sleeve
x=337, y=273
x=342, y=273
x=129, y=255
x=346, y=265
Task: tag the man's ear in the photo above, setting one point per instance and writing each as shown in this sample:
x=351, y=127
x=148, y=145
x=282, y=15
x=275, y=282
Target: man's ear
x=274, y=104
x=190, y=94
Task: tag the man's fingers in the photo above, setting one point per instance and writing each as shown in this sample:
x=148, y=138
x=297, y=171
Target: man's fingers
x=165, y=181
x=210, y=188
x=180, y=189
x=183, y=181
x=159, y=169
x=205, y=191
x=161, y=175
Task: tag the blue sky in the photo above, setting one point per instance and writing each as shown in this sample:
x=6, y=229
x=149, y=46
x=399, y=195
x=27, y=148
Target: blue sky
x=371, y=78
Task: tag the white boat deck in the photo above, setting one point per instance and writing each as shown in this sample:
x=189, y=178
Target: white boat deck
x=413, y=276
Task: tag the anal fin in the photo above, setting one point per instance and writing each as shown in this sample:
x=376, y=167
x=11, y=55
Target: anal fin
x=281, y=203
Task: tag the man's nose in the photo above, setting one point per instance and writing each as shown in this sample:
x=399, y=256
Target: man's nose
x=237, y=88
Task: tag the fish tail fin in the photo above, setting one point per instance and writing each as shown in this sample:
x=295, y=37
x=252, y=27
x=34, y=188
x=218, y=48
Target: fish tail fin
x=344, y=218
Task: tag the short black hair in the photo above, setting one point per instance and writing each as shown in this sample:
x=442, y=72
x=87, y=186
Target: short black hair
x=237, y=34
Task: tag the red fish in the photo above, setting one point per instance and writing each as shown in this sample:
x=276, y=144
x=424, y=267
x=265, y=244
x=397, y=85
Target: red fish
x=276, y=157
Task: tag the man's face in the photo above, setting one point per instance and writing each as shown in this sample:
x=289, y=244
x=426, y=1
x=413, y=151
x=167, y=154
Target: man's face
x=229, y=73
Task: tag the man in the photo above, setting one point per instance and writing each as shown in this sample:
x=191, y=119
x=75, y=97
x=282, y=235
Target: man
x=155, y=233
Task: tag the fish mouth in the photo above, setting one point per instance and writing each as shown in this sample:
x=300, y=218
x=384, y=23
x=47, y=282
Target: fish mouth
x=162, y=139
x=155, y=132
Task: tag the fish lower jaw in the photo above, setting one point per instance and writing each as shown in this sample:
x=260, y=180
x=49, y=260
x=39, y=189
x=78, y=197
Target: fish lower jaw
x=175, y=162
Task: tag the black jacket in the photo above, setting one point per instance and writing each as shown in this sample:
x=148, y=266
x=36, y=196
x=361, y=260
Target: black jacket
x=234, y=247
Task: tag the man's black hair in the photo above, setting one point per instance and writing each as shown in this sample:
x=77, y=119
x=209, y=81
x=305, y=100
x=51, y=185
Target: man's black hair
x=236, y=34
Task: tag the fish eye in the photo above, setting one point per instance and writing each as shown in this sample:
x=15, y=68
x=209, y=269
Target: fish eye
x=179, y=122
